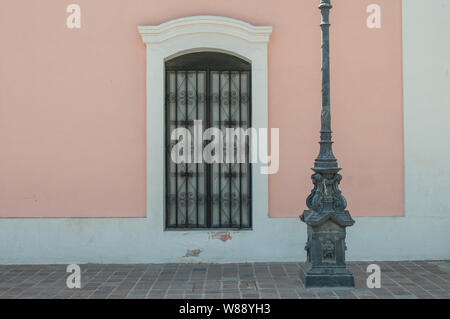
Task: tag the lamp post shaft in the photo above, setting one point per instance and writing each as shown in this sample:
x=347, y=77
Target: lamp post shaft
x=326, y=217
x=326, y=159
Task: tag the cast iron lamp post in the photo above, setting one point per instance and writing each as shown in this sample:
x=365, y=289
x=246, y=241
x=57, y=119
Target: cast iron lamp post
x=326, y=217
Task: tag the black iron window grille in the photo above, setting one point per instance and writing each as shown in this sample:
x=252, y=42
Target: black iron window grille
x=216, y=89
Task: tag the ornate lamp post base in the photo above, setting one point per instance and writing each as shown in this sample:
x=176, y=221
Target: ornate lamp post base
x=325, y=266
x=326, y=222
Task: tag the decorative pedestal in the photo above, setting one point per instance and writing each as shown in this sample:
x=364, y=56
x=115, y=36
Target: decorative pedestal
x=325, y=265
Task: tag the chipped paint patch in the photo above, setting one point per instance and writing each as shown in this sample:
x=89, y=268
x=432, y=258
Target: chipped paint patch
x=193, y=253
x=223, y=236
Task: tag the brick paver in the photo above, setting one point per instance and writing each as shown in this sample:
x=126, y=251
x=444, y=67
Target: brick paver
x=405, y=279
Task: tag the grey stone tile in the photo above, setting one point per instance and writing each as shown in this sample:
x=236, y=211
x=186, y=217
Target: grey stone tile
x=416, y=279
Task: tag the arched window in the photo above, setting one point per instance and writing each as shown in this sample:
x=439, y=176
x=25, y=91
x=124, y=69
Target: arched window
x=215, y=89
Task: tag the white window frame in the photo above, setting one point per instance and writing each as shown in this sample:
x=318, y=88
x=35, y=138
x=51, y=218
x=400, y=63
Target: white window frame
x=196, y=34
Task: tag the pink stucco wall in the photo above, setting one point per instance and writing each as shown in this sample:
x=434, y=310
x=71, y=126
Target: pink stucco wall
x=72, y=103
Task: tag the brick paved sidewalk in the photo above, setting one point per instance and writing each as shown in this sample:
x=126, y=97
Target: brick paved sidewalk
x=412, y=279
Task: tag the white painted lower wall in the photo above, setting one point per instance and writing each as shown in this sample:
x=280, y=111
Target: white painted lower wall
x=134, y=241
x=424, y=232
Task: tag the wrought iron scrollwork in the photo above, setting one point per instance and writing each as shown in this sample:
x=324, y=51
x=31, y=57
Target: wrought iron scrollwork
x=201, y=86
x=326, y=193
